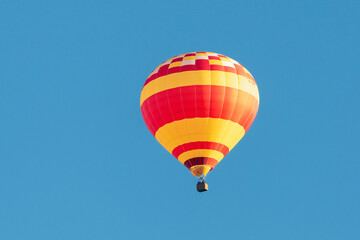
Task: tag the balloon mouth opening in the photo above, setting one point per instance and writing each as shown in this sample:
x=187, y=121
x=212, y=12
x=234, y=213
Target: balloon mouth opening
x=200, y=171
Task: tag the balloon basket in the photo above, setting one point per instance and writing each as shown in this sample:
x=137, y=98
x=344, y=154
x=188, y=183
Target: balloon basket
x=202, y=187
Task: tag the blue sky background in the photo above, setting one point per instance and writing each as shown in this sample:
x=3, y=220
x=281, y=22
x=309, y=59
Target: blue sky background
x=77, y=161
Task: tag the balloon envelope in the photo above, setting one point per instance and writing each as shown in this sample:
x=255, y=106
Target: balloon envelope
x=198, y=106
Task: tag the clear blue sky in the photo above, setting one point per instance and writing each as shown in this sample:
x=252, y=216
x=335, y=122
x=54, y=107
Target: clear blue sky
x=77, y=161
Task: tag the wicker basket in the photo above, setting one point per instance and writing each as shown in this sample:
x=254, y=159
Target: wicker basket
x=202, y=187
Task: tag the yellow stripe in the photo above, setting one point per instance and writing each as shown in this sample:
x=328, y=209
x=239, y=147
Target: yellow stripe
x=184, y=131
x=225, y=59
x=175, y=64
x=189, y=58
x=201, y=153
x=200, y=77
x=215, y=62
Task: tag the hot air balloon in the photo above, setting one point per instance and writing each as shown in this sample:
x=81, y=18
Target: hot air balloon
x=198, y=106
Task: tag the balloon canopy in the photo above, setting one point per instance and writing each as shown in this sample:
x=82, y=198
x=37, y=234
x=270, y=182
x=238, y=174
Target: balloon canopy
x=198, y=106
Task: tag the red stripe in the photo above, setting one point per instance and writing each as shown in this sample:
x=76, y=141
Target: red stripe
x=173, y=70
x=199, y=101
x=202, y=64
x=229, y=69
x=214, y=58
x=177, y=60
x=200, y=145
x=187, y=68
x=201, y=161
x=218, y=68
